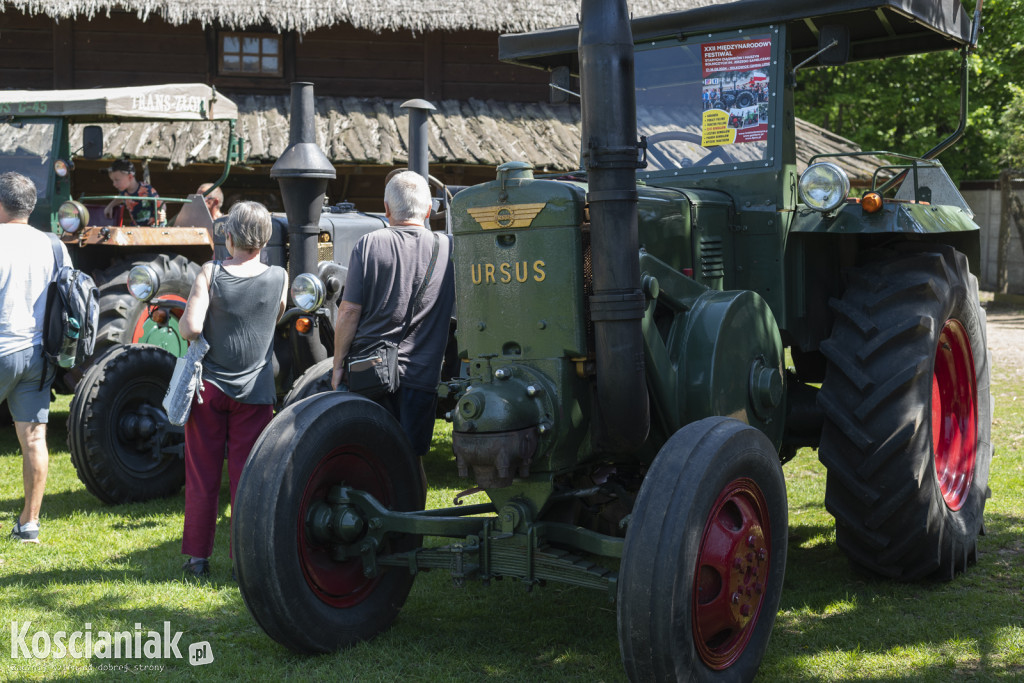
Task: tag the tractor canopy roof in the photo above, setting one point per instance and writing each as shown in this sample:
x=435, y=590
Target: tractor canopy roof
x=887, y=28
x=169, y=102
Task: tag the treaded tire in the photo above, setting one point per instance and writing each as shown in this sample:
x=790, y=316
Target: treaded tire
x=296, y=590
x=120, y=312
x=315, y=380
x=121, y=444
x=704, y=557
x=893, y=516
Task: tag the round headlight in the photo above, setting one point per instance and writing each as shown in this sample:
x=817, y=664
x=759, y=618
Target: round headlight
x=61, y=168
x=72, y=215
x=308, y=292
x=824, y=186
x=143, y=282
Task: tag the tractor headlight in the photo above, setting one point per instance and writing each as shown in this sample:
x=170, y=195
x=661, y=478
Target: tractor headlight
x=308, y=292
x=143, y=282
x=72, y=215
x=824, y=186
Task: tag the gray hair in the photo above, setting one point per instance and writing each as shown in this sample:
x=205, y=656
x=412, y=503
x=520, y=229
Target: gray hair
x=17, y=195
x=407, y=197
x=249, y=225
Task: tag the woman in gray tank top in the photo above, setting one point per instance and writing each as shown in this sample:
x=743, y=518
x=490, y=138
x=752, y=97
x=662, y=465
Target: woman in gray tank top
x=235, y=305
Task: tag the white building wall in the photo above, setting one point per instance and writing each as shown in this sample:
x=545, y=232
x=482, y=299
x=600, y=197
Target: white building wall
x=986, y=207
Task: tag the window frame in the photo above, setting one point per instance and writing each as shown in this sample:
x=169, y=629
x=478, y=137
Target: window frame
x=241, y=36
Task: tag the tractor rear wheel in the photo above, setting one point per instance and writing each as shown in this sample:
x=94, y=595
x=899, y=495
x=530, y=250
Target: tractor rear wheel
x=125, y=320
x=704, y=557
x=121, y=444
x=294, y=585
x=908, y=414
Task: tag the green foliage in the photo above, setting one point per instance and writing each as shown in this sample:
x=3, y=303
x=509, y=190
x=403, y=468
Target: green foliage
x=1012, y=124
x=910, y=104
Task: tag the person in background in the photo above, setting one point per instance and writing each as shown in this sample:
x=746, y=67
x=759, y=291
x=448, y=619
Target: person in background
x=142, y=213
x=235, y=305
x=214, y=200
x=385, y=269
x=26, y=269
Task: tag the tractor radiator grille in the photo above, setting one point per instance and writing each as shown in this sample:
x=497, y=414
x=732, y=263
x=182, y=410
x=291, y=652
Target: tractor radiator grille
x=324, y=251
x=712, y=264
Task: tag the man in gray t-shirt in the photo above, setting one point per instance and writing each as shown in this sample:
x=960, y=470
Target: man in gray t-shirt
x=385, y=269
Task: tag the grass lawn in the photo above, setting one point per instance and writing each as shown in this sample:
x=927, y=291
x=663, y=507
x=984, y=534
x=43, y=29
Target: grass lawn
x=111, y=568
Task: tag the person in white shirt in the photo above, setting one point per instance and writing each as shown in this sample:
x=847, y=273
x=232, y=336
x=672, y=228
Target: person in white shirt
x=26, y=270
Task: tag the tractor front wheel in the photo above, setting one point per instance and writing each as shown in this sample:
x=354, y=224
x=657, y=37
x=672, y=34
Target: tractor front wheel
x=704, y=557
x=122, y=445
x=908, y=414
x=315, y=380
x=310, y=594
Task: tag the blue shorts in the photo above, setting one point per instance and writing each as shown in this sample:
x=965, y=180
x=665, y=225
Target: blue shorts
x=19, y=385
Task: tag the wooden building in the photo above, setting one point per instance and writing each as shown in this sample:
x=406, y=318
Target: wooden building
x=364, y=58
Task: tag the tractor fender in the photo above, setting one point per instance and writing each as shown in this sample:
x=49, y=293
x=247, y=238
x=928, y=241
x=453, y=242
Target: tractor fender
x=894, y=217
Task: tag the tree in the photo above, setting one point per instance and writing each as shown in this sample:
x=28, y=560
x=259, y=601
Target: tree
x=1011, y=122
x=910, y=104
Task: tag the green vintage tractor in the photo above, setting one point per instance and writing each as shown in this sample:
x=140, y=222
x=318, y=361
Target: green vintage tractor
x=122, y=445
x=624, y=400
x=36, y=140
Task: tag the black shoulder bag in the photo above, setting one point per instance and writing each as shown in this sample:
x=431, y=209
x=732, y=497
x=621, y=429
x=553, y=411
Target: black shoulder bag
x=373, y=371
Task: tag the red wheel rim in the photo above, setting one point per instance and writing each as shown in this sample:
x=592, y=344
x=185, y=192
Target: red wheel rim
x=731, y=574
x=140, y=324
x=954, y=414
x=339, y=584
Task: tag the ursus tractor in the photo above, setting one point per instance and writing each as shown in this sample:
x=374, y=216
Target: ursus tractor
x=625, y=399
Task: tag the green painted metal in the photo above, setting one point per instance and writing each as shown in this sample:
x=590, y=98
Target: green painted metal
x=499, y=264
x=166, y=336
x=906, y=218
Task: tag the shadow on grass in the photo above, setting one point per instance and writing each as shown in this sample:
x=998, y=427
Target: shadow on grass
x=831, y=611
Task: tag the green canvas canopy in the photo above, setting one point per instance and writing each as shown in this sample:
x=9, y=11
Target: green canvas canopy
x=168, y=102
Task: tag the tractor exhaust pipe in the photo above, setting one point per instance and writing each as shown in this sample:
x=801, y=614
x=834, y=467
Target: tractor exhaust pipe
x=610, y=157
x=302, y=172
x=419, y=157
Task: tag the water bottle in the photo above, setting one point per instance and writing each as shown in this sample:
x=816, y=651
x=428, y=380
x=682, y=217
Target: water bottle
x=66, y=357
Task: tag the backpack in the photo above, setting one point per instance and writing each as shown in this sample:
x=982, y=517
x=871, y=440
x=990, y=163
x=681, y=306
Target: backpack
x=72, y=313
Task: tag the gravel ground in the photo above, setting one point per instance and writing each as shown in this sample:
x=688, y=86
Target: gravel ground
x=1006, y=340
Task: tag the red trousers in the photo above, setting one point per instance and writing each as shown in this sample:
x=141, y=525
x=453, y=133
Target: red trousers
x=218, y=427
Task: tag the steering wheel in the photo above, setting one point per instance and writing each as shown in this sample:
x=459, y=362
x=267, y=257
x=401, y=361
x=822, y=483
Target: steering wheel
x=717, y=152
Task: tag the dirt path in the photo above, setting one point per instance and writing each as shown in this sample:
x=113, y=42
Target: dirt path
x=1006, y=342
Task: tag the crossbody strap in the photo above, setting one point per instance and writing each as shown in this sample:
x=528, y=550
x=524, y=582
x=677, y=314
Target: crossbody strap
x=58, y=255
x=418, y=299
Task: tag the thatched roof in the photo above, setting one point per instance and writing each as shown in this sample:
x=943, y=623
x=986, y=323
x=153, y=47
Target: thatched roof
x=376, y=15
x=375, y=131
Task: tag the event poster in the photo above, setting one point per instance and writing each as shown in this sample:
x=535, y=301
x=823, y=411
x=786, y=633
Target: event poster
x=735, y=91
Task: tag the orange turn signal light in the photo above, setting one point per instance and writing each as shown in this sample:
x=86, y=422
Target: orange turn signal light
x=159, y=316
x=303, y=324
x=871, y=202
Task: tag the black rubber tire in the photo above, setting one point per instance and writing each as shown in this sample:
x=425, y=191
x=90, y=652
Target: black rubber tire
x=315, y=380
x=745, y=99
x=715, y=469
x=120, y=312
x=122, y=391
x=297, y=593
x=877, y=441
